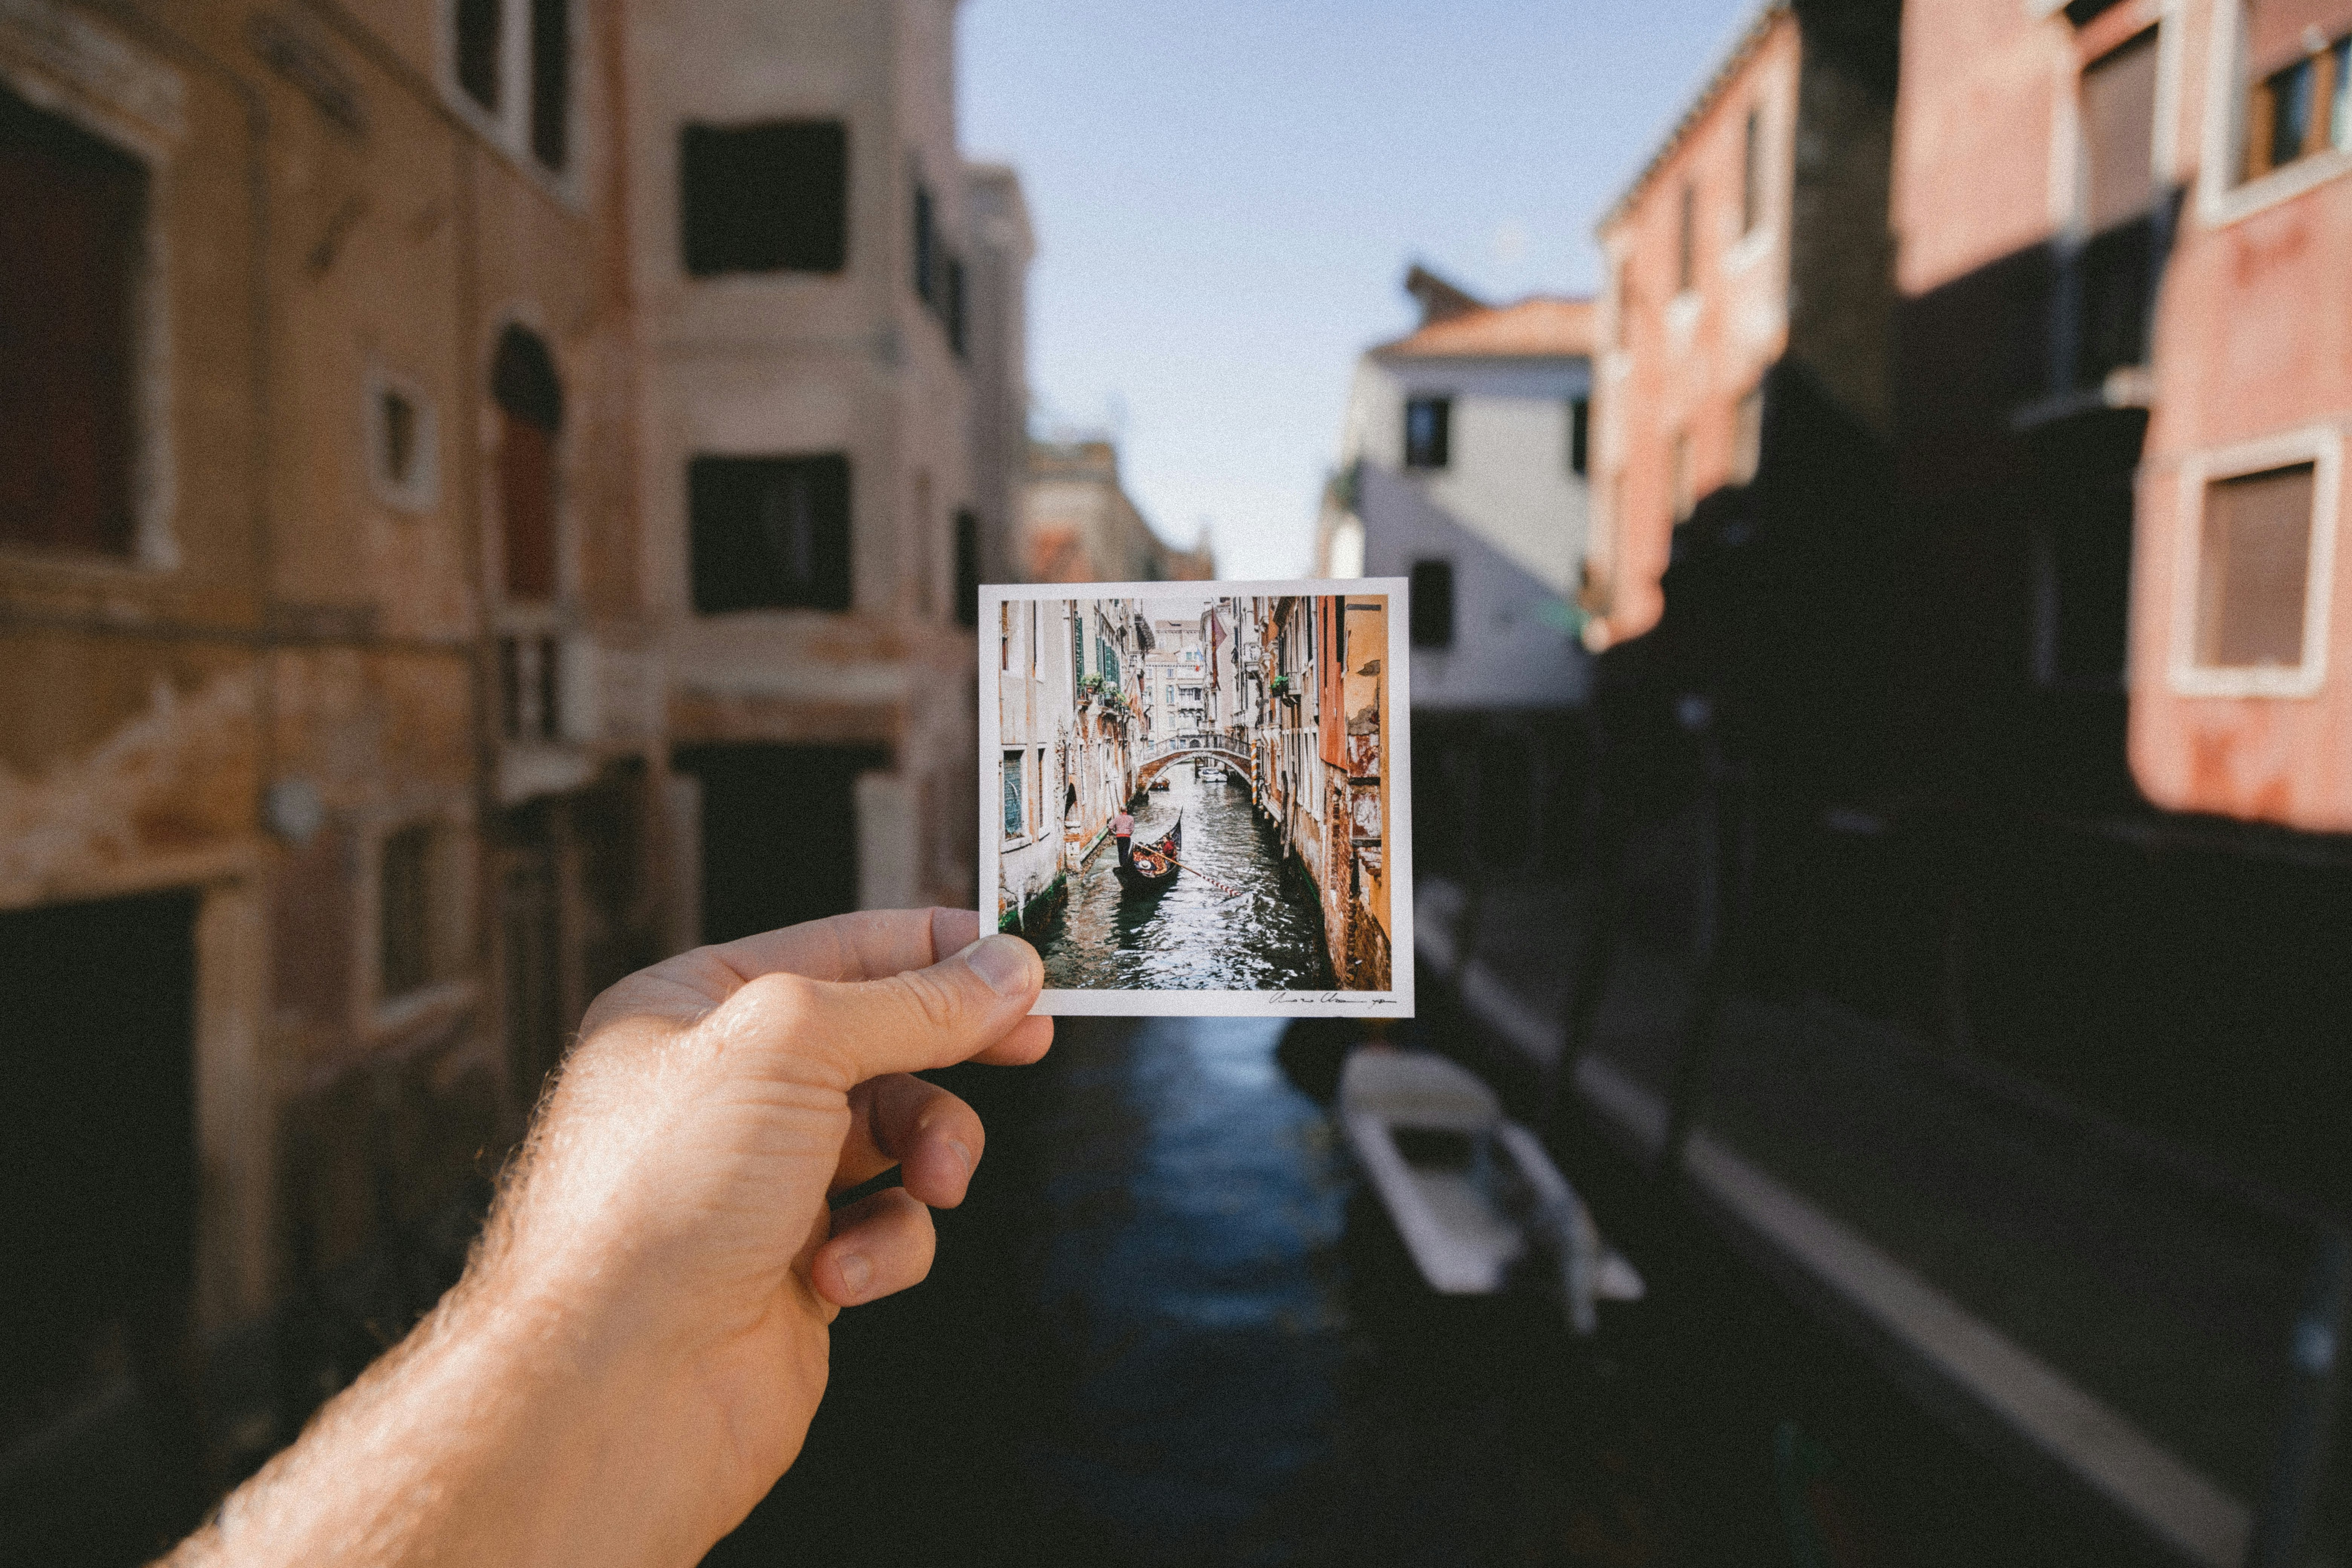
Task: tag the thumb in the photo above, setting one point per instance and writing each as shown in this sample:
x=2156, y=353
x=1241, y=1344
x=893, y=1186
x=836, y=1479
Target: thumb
x=930, y=1018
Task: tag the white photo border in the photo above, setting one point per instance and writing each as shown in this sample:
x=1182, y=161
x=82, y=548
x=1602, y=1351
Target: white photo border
x=1396, y=826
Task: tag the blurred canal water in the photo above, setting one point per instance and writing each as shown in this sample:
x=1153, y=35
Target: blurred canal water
x=1267, y=936
x=1169, y=1328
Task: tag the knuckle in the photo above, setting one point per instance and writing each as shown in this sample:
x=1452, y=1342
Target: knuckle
x=933, y=1002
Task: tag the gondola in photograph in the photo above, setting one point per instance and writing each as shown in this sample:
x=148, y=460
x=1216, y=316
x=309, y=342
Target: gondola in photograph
x=1150, y=869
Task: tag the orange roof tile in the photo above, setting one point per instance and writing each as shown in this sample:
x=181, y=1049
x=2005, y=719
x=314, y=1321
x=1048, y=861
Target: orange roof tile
x=1541, y=328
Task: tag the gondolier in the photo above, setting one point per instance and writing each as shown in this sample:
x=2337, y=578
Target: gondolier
x=1122, y=827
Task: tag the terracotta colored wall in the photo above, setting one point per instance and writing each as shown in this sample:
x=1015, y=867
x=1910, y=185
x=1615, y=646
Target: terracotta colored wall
x=1673, y=365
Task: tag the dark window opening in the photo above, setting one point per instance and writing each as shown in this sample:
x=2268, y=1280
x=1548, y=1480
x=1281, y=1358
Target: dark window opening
x=1428, y=432
x=956, y=306
x=1431, y=620
x=770, y=532
x=1580, y=435
x=480, y=30
x=927, y=246
x=70, y=250
x=550, y=81
x=399, y=417
x=2119, y=133
x=780, y=833
x=530, y=406
x=772, y=198
x=1687, y=240
x=1751, y=172
x=531, y=687
x=405, y=901
x=2253, y=570
x=967, y=568
x=98, y=1201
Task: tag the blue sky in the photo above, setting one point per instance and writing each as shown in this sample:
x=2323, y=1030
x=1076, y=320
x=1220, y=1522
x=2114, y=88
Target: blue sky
x=1227, y=193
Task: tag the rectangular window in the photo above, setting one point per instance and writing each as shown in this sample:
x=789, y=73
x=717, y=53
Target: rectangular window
x=1687, y=240
x=927, y=246
x=2120, y=134
x=770, y=532
x=531, y=687
x=1580, y=435
x=1432, y=618
x=406, y=901
x=771, y=197
x=1077, y=648
x=69, y=249
x=480, y=30
x=955, y=307
x=1016, y=815
x=1428, y=432
x=550, y=81
x=2302, y=107
x=967, y=568
x=1751, y=172
x=2253, y=566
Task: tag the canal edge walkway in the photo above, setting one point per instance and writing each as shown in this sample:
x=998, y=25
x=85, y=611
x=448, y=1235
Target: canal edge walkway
x=1964, y=1370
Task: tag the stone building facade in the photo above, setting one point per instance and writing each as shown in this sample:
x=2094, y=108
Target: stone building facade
x=804, y=261
x=370, y=372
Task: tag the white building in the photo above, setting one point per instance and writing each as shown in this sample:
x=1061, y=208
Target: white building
x=1463, y=467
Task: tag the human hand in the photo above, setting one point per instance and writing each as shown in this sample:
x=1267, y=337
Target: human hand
x=638, y=1347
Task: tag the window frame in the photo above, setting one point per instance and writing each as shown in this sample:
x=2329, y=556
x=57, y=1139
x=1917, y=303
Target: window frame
x=509, y=127
x=1443, y=402
x=421, y=491
x=121, y=102
x=2224, y=196
x=2323, y=448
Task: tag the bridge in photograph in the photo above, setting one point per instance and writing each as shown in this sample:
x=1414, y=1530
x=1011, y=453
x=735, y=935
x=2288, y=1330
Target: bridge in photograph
x=1159, y=754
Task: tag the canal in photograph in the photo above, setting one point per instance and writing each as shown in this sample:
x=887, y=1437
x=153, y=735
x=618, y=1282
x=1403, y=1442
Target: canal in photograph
x=1267, y=935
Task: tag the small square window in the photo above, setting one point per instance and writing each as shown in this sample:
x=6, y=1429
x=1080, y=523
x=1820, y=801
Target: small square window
x=772, y=197
x=2254, y=567
x=404, y=439
x=1428, y=432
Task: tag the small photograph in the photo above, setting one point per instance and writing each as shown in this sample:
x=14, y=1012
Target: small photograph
x=1194, y=797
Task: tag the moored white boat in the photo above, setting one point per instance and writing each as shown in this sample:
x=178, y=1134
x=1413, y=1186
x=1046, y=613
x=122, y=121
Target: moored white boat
x=1471, y=1192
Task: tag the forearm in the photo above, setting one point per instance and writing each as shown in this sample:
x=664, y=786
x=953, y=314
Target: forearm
x=493, y=1433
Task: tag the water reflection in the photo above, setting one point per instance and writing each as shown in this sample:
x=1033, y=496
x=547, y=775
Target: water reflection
x=1192, y=1204
x=1265, y=936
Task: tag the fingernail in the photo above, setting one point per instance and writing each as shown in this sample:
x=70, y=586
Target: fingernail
x=1001, y=962
x=856, y=1268
x=955, y=1147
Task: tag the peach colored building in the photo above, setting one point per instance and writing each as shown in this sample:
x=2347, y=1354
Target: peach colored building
x=1755, y=234
x=2158, y=182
